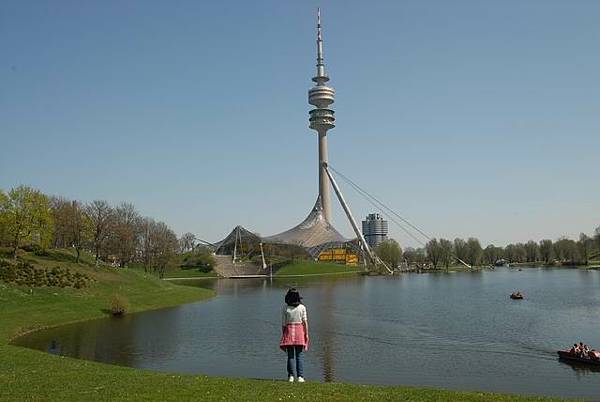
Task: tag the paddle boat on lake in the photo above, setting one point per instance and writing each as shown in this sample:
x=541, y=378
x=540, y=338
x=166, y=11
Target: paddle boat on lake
x=589, y=357
x=516, y=296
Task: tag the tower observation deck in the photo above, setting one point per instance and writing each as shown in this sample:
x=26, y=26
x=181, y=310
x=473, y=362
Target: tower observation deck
x=322, y=119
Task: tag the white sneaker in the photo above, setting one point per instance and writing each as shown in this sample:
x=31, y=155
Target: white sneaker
x=291, y=378
x=300, y=379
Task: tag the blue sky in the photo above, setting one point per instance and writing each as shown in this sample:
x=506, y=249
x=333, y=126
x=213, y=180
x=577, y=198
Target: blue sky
x=471, y=118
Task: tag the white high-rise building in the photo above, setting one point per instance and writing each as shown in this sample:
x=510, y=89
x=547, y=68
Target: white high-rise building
x=375, y=229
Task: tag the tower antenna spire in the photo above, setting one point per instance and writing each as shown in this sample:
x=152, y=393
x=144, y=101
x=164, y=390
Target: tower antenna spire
x=321, y=76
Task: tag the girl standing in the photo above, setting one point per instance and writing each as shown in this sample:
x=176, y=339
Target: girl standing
x=294, y=340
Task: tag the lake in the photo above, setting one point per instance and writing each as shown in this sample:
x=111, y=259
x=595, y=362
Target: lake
x=458, y=331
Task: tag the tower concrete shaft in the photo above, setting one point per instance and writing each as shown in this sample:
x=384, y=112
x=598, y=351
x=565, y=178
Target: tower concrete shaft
x=322, y=119
x=324, y=185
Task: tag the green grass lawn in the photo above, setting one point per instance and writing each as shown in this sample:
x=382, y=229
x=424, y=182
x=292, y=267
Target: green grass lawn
x=33, y=375
x=312, y=268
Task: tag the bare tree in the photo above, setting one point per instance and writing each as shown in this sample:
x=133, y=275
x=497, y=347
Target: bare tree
x=474, y=251
x=158, y=246
x=101, y=217
x=125, y=233
x=145, y=246
x=434, y=252
x=71, y=225
x=164, y=247
x=460, y=249
x=59, y=210
x=414, y=256
x=584, y=245
x=187, y=242
x=446, y=252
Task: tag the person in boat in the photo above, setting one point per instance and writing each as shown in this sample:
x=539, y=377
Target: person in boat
x=573, y=350
x=294, y=338
x=577, y=350
x=586, y=351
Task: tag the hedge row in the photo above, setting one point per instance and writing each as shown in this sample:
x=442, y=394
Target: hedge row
x=25, y=274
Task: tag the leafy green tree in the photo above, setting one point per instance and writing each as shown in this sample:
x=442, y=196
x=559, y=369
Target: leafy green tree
x=390, y=252
x=515, y=253
x=546, y=251
x=509, y=253
x=532, y=251
x=79, y=227
x=4, y=236
x=26, y=216
x=201, y=258
x=491, y=254
x=520, y=252
x=43, y=222
x=566, y=251
x=434, y=252
x=597, y=240
x=445, y=252
x=474, y=251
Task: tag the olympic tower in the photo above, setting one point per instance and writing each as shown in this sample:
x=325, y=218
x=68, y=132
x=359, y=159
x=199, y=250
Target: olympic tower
x=322, y=119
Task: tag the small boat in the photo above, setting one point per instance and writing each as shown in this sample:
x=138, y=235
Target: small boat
x=516, y=296
x=567, y=355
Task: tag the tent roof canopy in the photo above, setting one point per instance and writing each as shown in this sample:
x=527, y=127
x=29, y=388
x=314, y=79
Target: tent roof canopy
x=312, y=232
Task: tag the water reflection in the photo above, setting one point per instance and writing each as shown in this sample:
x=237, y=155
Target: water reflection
x=327, y=340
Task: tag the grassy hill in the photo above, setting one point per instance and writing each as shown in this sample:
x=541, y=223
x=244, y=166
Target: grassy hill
x=33, y=375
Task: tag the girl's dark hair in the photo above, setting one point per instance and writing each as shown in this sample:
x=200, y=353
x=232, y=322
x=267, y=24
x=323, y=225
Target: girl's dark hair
x=292, y=297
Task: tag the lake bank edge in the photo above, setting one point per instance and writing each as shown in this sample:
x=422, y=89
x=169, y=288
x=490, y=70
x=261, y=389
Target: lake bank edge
x=116, y=382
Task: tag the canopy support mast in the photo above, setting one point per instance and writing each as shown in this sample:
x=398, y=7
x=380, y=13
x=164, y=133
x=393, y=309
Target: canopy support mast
x=372, y=256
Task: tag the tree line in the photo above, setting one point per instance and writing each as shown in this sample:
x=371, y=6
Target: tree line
x=121, y=235
x=115, y=234
x=444, y=253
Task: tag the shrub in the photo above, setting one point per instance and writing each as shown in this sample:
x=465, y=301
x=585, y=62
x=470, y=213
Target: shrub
x=202, y=260
x=40, y=252
x=25, y=274
x=118, y=305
